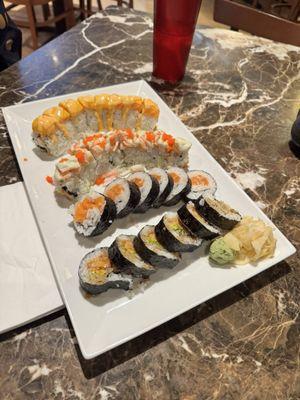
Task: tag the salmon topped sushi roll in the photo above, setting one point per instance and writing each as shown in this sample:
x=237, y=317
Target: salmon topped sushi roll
x=165, y=182
x=93, y=214
x=181, y=185
x=124, y=194
x=201, y=182
x=148, y=187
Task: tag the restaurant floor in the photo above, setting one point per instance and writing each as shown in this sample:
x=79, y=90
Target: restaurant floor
x=205, y=18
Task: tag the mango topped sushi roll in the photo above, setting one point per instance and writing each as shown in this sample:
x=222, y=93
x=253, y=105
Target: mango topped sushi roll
x=72, y=119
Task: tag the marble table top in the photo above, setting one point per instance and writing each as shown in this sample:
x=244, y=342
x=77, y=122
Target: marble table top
x=239, y=98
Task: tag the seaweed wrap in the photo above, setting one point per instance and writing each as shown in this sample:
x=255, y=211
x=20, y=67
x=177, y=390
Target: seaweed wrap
x=217, y=212
x=181, y=185
x=97, y=275
x=201, y=182
x=151, y=251
x=148, y=187
x=124, y=194
x=93, y=214
x=165, y=182
x=173, y=236
x=193, y=221
x=125, y=258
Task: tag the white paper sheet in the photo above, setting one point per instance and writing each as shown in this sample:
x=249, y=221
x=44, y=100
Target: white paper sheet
x=27, y=286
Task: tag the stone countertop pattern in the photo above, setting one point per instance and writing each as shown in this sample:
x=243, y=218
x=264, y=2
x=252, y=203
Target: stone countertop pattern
x=239, y=98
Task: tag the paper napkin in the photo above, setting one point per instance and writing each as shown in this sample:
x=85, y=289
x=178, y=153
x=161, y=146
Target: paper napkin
x=27, y=286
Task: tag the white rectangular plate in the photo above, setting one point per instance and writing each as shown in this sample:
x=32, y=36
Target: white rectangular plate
x=106, y=321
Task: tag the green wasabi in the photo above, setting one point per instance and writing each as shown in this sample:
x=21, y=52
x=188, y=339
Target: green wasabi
x=220, y=252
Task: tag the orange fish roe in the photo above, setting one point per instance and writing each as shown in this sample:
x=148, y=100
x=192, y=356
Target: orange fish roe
x=112, y=140
x=80, y=156
x=129, y=133
x=100, y=180
x=170, y=140
x=82, y=208
x=176, y=178
x=199, y=180
x=114, y=191
x=49, y=179
x=101, y=143
x=150, y=136
x=166, y=137
x=91, y=138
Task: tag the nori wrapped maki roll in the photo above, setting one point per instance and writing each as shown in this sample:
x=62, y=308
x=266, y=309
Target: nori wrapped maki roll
x=165, y=182
x=172, y=235
x=151, y=251
x=217, y=212
x=148, y=187
x=124, y=194
x=201, y=182
x=97, y=275
x=93, y=214
x=125, y=258
x=195, y=223
x=181, y=186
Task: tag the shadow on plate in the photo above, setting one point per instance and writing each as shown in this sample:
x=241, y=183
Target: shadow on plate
x=131, y=349
x=43, y=155
x=143, y=284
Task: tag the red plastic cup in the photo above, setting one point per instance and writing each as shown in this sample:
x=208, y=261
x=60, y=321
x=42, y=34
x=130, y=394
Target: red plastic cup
x=174, y=26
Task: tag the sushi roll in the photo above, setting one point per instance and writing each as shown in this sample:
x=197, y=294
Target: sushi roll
x=165, y=182
x=201, y=182
x=124, y=194
x=181, y=185
x=148, y=187
x=217, y=212
x=93, y=214
x=124, y=256
x=151, y=251
x=172, y=235
x=149, y=115
x=97, y=275
x=195, y=223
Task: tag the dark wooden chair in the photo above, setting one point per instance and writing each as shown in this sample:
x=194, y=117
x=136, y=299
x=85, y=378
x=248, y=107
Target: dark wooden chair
x=128, y=3
x=85, y=6
x=67, y=14
x=260, y=23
